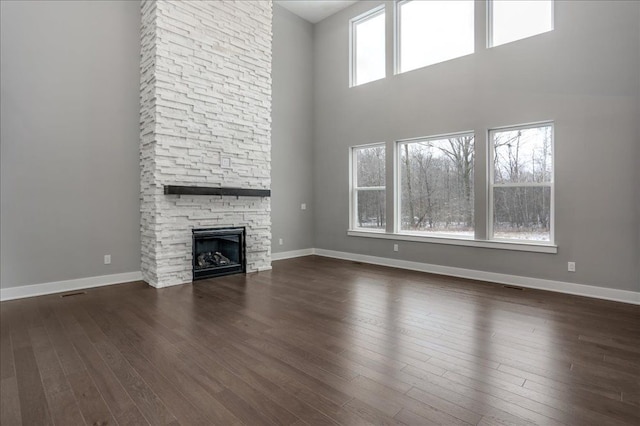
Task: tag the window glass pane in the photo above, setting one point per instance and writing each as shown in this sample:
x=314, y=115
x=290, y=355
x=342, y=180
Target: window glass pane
x=436, y=178
x=434, y=31
x=522, y=213
x=515, y=20
x=370, y=166
x=522, y=155
x=369, y=48
x=371, y=209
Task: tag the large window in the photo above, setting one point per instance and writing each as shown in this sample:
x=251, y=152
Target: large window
x=427, y=32
x=368, y=47
x=368, y=187
x=433, y=31
x=521, y=183
x=433, y=190
x=511, y=20
x=436, y=185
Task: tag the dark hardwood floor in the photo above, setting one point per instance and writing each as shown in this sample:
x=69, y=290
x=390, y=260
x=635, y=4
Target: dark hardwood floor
x=320, y=341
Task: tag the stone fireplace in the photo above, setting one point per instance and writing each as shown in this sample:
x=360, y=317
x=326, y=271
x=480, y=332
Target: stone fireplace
x=205, y=122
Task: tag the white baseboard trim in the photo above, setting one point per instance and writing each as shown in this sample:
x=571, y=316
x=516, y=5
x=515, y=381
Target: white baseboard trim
x=291, y=254
x=625, y=296
x=21, y=292
x=492, y=277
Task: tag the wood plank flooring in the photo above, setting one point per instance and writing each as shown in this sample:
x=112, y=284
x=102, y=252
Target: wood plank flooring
x=321, y=342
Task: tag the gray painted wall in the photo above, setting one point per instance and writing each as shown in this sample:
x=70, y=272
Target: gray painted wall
x=292, y=132
x=583, y=75
x=69, y=137
x=69, y=140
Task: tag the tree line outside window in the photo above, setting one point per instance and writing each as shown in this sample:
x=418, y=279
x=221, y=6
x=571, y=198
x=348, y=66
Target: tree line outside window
x=369, y=190
x=522, y=182
x=436, y=185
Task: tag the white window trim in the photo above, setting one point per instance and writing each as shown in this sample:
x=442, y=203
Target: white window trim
x=353, y=187
x=397, y=225
x=442, y=238
x=490, y=24
x=372, y=13
x=490, y=44
x=492, y=185
x=397, y=68
x=491, y=244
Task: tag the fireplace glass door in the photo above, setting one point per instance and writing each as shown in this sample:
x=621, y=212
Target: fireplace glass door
x=218, y=252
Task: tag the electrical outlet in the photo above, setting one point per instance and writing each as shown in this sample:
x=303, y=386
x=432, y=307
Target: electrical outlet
x=571, y=266
x=281, y=241
x=303, y=206
x=225, y=162
x=107, y=259
x=395, y=247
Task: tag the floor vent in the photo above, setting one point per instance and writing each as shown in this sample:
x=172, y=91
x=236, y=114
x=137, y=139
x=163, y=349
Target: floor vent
x=77, y=293
x=512, y=287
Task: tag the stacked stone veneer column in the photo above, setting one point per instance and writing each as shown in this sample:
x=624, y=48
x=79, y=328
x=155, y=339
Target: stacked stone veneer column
x=205, y=95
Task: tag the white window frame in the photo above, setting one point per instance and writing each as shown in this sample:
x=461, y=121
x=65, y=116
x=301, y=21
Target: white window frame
x=398, y=183
x=353, y=22
x=493, y=185
x=490, y=44
x=354, y=188
x=396, y=41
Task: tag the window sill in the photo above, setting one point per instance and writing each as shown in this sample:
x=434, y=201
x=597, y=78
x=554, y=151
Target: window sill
x=500, y=245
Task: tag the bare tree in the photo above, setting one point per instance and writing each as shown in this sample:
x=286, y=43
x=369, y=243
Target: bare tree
x=407, y=164
x=460, y=151
x=371, y=173
x=522, y=157
x=437, y=185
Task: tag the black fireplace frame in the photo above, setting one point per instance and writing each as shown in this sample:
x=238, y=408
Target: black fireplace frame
x=218, y=271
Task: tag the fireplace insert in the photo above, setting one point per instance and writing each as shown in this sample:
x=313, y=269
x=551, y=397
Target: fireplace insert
x=218, y=251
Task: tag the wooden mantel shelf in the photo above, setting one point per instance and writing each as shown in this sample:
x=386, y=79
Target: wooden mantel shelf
x=209, y=190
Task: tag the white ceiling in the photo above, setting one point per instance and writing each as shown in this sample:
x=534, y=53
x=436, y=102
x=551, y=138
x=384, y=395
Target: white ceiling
x=314, y=10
